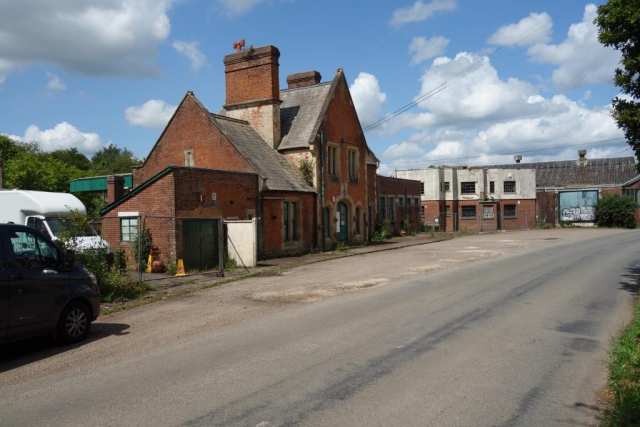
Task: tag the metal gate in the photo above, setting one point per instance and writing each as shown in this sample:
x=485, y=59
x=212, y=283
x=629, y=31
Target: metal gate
x=200, y=243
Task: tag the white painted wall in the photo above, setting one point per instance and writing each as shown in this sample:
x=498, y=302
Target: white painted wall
x=242, y=242
x=432, y=179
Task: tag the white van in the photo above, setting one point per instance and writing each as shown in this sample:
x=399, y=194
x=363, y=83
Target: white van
x=47, y=213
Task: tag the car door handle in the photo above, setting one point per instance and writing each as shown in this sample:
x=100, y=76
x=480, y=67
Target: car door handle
x=17, y=277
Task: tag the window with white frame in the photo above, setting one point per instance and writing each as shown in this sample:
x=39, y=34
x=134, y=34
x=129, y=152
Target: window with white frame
x=128, y=229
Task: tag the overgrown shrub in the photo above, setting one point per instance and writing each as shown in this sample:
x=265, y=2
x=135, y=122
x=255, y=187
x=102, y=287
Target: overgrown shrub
x=306, y=167
x=171, y=269
x=425, y=228
x=614, y=210
x=405, y=225
x=144, y=246
x=341, y=246
x=119, y=259
x=381, y=231
x=464, y=231
x=113, y=285
x=544, y=225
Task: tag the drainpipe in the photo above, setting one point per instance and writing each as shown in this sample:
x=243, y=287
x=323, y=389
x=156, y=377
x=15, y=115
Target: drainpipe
x=322, y=185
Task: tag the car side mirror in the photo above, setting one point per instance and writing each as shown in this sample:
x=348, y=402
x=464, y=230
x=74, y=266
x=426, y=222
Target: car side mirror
x=70, y=260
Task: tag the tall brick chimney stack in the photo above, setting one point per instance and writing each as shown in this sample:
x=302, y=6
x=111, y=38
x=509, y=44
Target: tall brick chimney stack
x=253, y=89
x=304, y=79
x=115, y=188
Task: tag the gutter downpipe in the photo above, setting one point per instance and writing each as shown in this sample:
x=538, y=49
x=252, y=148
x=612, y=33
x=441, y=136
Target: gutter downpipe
x=322, y=186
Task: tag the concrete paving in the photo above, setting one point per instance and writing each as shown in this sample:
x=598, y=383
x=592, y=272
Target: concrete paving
x=503, y=329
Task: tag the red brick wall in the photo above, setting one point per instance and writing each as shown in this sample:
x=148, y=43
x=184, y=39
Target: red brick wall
x=547, y=207
x=273, y=244
x=372, y=193
x=608, y=191
x=252, y=75
x=179, y=194
x=156, y=200
x=525, y=214
x=396, y=188
x=341, y=123
x=191, y=129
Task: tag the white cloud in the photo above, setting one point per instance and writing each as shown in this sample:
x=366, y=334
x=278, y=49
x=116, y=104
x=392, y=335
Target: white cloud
x=423, y=49
x=62, y=136
x=404, y=149
x=581, y=59
x=535, y=28
x=480, y=114
x=97, y=38
x=421, y=11
x=54, y=82
x=154, y=113
x=367, y=98
x=385, y=170
x=238, y=7
x=191, y=51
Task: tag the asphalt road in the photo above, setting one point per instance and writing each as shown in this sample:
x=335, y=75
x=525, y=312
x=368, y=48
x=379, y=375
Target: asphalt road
x=519, y=340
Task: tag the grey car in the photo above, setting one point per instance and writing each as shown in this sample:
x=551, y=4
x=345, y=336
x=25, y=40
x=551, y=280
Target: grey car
x=42, y=289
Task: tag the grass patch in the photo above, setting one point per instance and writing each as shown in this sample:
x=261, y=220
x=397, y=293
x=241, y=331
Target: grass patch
x=624, y=377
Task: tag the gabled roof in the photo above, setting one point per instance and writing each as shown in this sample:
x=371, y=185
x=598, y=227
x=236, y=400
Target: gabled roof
x=281, y=175
x=299, y=112
x=607, y=171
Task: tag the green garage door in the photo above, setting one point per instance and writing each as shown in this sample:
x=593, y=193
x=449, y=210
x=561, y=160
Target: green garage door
x=200, y=243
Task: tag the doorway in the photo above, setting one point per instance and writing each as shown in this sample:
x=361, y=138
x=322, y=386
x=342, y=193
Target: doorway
x=343, y=221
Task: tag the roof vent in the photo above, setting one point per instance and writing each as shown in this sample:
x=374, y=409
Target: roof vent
x=583, y=157
x=518, y=158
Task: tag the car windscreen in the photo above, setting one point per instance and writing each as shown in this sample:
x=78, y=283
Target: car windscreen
x=61, y=225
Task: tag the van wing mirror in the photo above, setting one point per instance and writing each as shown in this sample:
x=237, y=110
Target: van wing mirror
x=70, y=259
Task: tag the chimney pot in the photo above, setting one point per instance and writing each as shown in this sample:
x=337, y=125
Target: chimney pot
x=307, y=78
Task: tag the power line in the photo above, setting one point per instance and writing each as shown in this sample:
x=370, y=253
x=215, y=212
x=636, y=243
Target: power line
x=535, y=28
x=507, y=154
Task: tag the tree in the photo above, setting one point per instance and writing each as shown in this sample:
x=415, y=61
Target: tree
x=72, y=157
x=619, y=26
x=112, y=159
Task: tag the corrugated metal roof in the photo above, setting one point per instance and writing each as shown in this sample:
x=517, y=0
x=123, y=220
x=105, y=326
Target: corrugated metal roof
x=299, y=113
x=563, y=173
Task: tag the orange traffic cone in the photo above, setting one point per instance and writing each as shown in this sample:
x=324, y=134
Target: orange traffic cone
x=181, y=271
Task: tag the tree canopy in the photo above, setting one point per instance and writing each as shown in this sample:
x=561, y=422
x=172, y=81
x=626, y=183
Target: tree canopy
x=618, y=24
x=27, y=167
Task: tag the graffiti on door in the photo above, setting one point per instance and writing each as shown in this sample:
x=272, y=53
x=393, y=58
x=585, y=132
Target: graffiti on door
x=576, y=206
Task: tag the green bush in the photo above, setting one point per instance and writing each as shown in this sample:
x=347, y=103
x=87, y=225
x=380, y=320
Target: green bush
x=113, y=285
x=614, y=210
x=424, y=228
x=405, y=225
x=544, y=225
x=119, y=259
x=376, y=236
x=171, y=269
x=341, y=246
x=145, y=247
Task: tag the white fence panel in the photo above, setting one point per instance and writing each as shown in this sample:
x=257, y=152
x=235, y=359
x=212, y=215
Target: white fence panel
x=242, y=242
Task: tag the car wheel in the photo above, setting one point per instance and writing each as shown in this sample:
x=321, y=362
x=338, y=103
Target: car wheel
x=74, y=324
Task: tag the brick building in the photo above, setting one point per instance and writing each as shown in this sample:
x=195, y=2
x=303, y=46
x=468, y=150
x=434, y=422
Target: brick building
x=455, y=198
x=568, y=190
x=295, y=158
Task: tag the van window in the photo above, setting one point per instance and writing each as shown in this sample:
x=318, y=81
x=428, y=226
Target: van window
x=25, y=250
x=49, y=255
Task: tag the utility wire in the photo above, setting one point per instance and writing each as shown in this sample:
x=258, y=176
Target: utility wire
x=534, y=29
x=507, y=154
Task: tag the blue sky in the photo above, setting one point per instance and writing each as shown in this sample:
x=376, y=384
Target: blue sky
x=77, y=73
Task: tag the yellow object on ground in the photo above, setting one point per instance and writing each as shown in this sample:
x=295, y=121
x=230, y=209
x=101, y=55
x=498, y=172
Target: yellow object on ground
x=149, y=268
x=181, y=271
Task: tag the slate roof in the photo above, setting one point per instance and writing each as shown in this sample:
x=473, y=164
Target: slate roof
x=565, y=173
x=280, y=173
x=300, y=114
